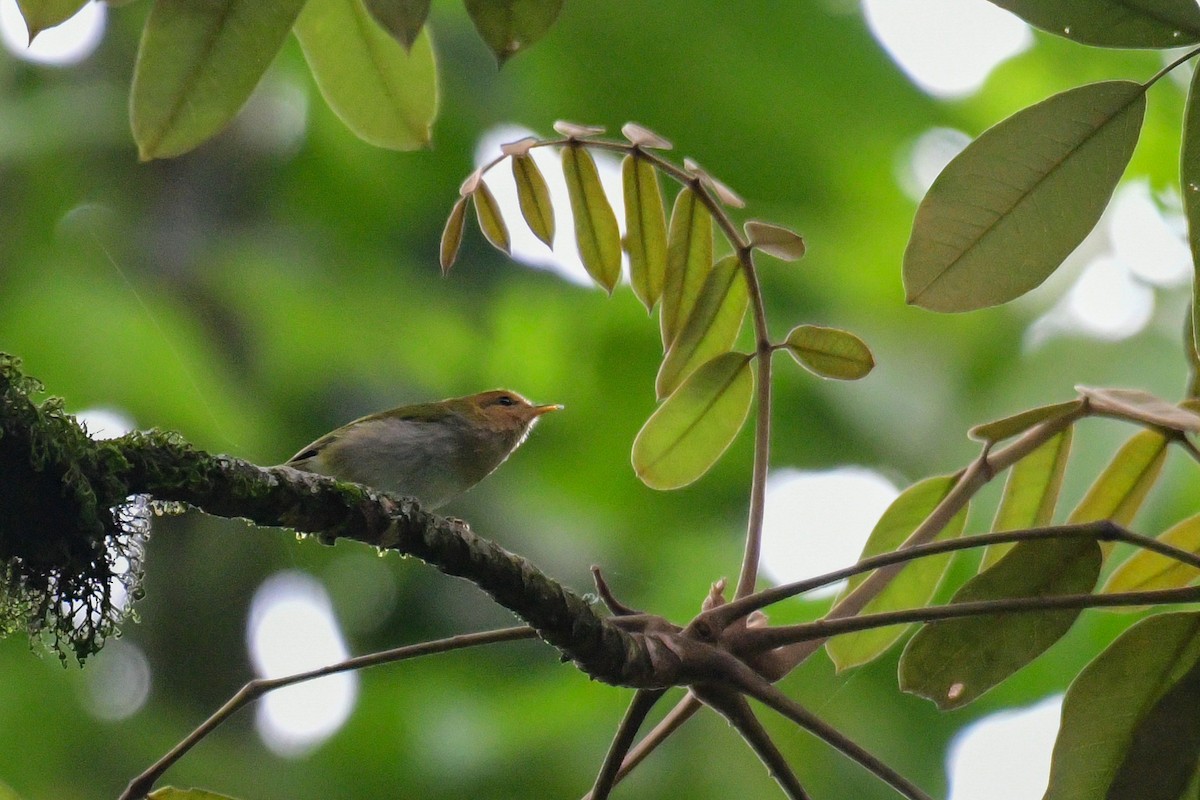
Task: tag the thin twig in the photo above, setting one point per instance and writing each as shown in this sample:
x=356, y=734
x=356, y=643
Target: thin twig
x=731, y=705
x=614, y=605
x=254, y=689
x=678, y=715
x=635, y=715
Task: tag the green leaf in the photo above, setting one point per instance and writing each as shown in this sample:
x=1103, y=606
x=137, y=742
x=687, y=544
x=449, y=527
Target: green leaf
x=711, y=328
x=830, y=353
x=1113, y=23
x=1189, y=179
x=953, y=662
x=690, y=431
x=171, y=793
x=1132, y=712
x=534, y=197
x=452, y=234
x=1001, y=429
x=1031, y=492
x=775, y=240
x=596, y=232
x=645, y=229
x=197, y=64
x=1119, y=491
x=1146, y=570
x=689, y=260
x=387, y=97
x=403, y=19
x=491, y=221
x=1010, y=207
x=914, y=585
x=42, y=14
x=510, y=26
x=1142, y=408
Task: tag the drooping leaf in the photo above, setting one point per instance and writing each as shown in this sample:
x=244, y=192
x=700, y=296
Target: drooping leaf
x=1141, y=407
x=385, y=96
x=1146, y=570
x=1189, y=180
x=534, y=197
x=690, y=431
x=596, y=232
x=403, y=19
x=914, y=585
x=1031, y=492
x=510, y=26
x=953, y=662
x=645, y=229
x=775, y=240
x=42, y=14
x=171, y=793
x=452, y=234
x=830, y=353
x=576, y=130
x=1001, y=429
x=1113, y=23
x=1118, y=492
x=491, y=221
x=1136, y=702
x=711, y=328
x=644, y=137
x=1010, y=207
x=724, y=194
x=689, y=260
x=197, y=64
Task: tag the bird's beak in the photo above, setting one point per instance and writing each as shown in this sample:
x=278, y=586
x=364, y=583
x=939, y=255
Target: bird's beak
x=539, y=410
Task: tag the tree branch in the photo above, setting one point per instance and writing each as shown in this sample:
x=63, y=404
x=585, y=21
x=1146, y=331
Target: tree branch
x=635, y=715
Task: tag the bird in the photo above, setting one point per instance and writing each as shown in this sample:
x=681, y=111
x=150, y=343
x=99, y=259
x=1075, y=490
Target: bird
x=431, y=451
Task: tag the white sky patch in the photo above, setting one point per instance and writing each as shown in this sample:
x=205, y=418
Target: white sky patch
x=1148, y=239
x=1005, y=756
x=62, y=45
x=275, y=118
x=117, y=681
x=292, y=629
x=105, y=423
x=926, y=157
x=947, y=47
x=527, y=249
x=816, y=522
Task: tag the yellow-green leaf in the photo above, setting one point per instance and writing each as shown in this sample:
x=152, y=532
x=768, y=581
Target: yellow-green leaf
x=171, y=793
x=914, y=585
x=1001, y=429
x=197, y=64
x=1141, y=407
x=690, y=431
x=534, y=198
x=645, y=229
x=1031, y=492
x=1146, y=570
x=452, y=234
x=596, y=232
x=403, y=19
x=689, y=260
x=982, y=235
x=775, y=240
x=510, y=26
x=491, y=222
x=42, y=14
x=712, y=327
x=386, y=96
x=829, y=352
x=1119, y=491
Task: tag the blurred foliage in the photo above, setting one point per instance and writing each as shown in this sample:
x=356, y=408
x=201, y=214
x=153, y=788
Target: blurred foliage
x=283, y=278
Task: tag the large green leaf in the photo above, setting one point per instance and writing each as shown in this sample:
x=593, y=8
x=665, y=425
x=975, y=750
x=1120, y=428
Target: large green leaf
x=42, y=14
x=1146, y=570
x=1189, y=179
x=197, y=64
x=1010, y=207
x=1031, y=492
x=1113, y=23
x=830, y=352
x=1118, y=492
x=953, y=662
x=386, y=96
x=645, y=229
x=1131, y=713
x=510, y=26
x=596, y=232
x=690, y=431
x=403, y=19
x=711, y=328
x=914, y=585
x=689, y=259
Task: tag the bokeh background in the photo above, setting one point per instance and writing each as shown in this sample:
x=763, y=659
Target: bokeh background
x=282, y=279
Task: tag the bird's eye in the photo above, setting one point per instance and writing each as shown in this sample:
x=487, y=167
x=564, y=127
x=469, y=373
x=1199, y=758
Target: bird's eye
x=505, y=400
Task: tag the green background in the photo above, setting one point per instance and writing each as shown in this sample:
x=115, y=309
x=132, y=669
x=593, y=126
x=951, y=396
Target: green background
x=253, y=298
